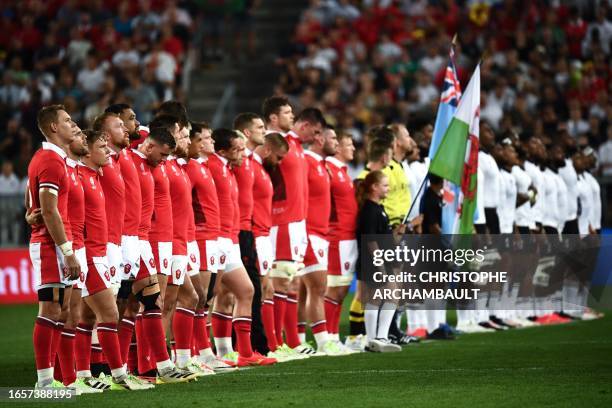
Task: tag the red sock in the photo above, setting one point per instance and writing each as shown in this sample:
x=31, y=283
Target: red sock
x=153, y=329
x=109, y=340
x=318, y=327
x=290, y=323
x=221, y=325
x=132, y=361
x=267, y=318
x=43, y=331
x=242, y=327
x=59, y=326
x=330, y=307
x=337, y=314
x=126, y=331
x=200, y=331
x=97, y=357
x=144, y=351
x=301, y=328
x=66, y=356
x=57, y=367
x=82, y=347
x=182, y=328
x=280, y=308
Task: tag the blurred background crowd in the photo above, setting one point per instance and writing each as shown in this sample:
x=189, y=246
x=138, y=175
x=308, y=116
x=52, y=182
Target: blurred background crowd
x=546, y=66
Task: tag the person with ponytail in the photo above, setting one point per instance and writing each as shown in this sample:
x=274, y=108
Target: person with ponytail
x=373, y=233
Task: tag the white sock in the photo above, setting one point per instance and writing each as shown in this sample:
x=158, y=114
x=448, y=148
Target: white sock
x=411, y=320
x=224, y=345
x=463, y=317
x=164, y=365
x=370, y=315
x=385, y=318
x=302, y=337
x=334, y=336
x=321, y=338
x=182, y=357
x=118, y=373
x=84, y=374
x=45, y=376
x=207, y=353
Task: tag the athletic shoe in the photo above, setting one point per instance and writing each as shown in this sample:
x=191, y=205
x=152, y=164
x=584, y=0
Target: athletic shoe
x=80, y=387
x=308, y=350
x=200, y=370
x=105, y=379
x=331, y=348
x=131, y=383
x=283, y=357
x=231, y=358
x=255, y=359
x=473, y=328
x=52, y=384
x=174, y=375
x=560, y=319
x=96, y=383
x=355, y=343
x=420, y=332
x=590, y=314
x=441, y=333
x=291, y=353
x=382, y=346
x=500, y=322
x=525, y=322
x=218, y=365
x=491, y=325
x=346, y=349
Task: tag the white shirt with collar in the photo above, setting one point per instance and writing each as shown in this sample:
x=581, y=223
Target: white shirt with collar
x=523, y=212
x=570, y=178
x=491, y=176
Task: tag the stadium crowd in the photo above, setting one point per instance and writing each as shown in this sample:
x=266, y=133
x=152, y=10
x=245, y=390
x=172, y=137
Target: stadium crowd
x=255, y=231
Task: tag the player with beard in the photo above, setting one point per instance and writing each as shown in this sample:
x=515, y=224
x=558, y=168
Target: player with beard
x=277, y=114
x=253, y=129
x=314, y=275
x=130, y=253
x=206, y=230
x=51, y=251
x=233, y=281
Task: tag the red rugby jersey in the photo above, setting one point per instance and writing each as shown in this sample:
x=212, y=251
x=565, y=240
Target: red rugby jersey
x=114, y=192
x=96, y=228
x=235, y=199
x=262, y=198
x=289, y=178
x=147, y=188
x=219, y=168
x=133, y=199
x=180, y=192
x=204, y=200
x=245, y=178
x=319, y=195
x=161, y=221
x=190, y=218
x=47, y=169
x=76, y=198
x=344, y=210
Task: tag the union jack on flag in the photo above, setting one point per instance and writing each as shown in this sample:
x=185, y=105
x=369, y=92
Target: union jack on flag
x=451, y=90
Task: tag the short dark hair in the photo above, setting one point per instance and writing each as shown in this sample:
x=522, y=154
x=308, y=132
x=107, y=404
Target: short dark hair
x=92, y=136
x=277, y=141
x=197, y=127
x=223, y=138
x=174, y=108
x=162, y=136
x=47, y=115
x=311, y=115
x=385, y=133
x=244, y=120
x=272, y=105
x=377, y=149
x=117, y=108
x=100, y=120
x=165, y=121
x=434, y=178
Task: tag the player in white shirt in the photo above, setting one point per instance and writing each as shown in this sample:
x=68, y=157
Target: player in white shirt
x=491, y=177
x=591, y=165
x=569, y=177
x=531, y=166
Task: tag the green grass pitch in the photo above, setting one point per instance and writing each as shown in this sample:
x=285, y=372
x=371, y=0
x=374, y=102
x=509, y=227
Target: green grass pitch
x=557, y=366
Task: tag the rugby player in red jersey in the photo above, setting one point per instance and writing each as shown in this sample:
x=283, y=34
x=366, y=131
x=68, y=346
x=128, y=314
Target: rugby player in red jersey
x=206, y=229
x=288, y=233
x=277, y=114
x=130, y=251
x=253, y=129
x=234, y=279
x=51, y=251
x=314, y=274
x=149, y=328
x=99, y=305
x=342, y=255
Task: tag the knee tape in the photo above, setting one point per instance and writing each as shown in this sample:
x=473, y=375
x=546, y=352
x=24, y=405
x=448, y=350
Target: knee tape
x=51, y=294
x=148, y=298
